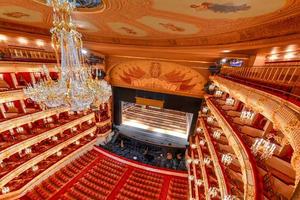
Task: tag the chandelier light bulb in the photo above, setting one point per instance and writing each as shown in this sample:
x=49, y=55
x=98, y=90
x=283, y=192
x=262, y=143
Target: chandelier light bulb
x=202, y=142
x=264, y=148
x=217, y=134
x=205, y=109
x=226, y=159
x=229, y=101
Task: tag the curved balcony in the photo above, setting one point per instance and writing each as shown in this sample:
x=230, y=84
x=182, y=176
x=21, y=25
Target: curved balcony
x=23, y=167
x=218, y=169
x=284, y=114
x=245, y=158
x=44, y=135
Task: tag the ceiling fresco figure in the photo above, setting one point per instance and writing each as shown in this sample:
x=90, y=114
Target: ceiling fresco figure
x=222, y=8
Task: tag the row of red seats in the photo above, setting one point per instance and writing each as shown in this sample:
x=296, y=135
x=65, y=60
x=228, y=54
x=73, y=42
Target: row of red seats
x=89, y=192
x=102, y=182
x=148, y=186
x=128, y=195
x=94, y=186
x=143, y=191
x=57, y=180
x=146, y=182
x=178, y=189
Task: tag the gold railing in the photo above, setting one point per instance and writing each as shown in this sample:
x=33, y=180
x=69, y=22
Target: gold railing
x=284, y=79
x=276, y=74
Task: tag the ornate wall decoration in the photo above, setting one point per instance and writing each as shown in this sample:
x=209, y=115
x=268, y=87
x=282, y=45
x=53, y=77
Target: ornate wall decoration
x=158, y=76
x=283, y=114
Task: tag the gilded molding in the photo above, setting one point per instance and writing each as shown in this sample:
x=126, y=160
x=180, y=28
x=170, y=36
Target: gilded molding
x=13, y=95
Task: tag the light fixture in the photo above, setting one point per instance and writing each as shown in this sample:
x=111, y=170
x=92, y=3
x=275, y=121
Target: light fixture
x=92, y=134
x=59, y=153
x=247, y=114
x=22, y=40
x=263, y=147
x=5, y=190
x=217, y=134
x=193, y=146
x=35, y=168
x=230, y=197
x=39, y=43
x=90, y=121
x=73, y=129
x=218, y=93
x=196, y=161
x=199, y=130
x=28, y=150
x=191, y=177
x=202, y=142
x=224, y=60
x=211, y=87
x=76, y=87
x=205, y=109
x=226, y=51
x=77, y=142
x=84, y=51
x=9, y=104
x=189, y=161
x=210, y=119
x=229, y=101
x=289, y=55
x=54, y=138
x=199, y=182
x=207, y=160
x=213, y=192
x=19, y=129
x=3, y=38
x=273, y=57
x=226, y=159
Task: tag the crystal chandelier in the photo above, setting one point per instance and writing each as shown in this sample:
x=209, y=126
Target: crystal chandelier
x=210, y=119
x=76, y=87
x=264, y=147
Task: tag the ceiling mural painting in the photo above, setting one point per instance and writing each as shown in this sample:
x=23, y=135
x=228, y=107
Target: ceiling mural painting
x=167, y=25
x=20, y=14
x=158, y=76
x=164, y=23
x=126, y=29
x=219, y=9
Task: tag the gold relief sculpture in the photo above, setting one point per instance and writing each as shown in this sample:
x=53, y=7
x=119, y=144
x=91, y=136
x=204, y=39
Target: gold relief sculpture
x=158, y=76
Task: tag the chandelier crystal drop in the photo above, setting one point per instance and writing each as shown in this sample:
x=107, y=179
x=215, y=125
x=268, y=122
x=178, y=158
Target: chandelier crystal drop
x=76, y=86
x=263, y=147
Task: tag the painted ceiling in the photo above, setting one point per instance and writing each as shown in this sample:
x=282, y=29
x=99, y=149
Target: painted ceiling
x=164, y=22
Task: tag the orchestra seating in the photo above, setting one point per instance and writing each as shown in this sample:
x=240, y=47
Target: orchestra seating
x=98, y=175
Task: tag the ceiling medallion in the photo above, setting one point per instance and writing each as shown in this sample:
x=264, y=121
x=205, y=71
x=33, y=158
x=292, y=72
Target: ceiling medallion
x=76, y=87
